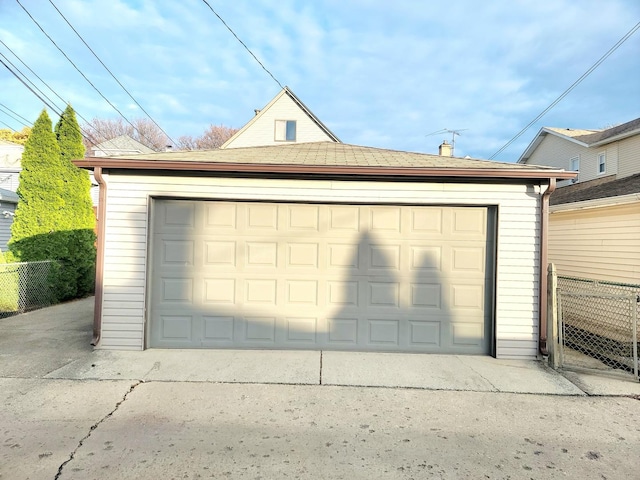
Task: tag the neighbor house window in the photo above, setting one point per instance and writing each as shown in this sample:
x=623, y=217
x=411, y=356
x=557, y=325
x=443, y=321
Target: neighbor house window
x=602, y=163
x=285, y=131
x=575, y=166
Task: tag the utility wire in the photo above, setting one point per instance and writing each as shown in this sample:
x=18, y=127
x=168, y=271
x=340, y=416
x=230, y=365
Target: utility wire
x=26, y=78
x=83, y=75
x=8, y=126
x=242, y=43
x=29, y=87
x=85, y=134
x=568, y=90
x=4, y=108
x=110, y=73
x=53, y=107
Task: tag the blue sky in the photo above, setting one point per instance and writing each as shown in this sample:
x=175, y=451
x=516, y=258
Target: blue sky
x=381, y=74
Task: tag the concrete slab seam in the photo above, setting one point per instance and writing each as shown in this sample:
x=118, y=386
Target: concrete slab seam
x=93, y=427
x=496, y=389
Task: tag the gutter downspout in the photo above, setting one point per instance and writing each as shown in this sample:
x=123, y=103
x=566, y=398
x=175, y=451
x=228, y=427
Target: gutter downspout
x=544, y=260
x=99, y=290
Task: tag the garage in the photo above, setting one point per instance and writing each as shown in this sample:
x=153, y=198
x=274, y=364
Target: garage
x=321, y=246
x=239, y=274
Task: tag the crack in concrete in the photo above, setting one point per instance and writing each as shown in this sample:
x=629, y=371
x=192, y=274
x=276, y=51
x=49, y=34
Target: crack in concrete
x=93, y=427
x=320, y=367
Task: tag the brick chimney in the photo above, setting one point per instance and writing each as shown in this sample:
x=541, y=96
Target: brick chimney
x=444, y=150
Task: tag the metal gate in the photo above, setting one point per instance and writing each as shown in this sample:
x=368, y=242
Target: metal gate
x=598, y=325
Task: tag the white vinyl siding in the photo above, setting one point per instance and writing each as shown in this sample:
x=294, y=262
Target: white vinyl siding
x=601, y=243
x=557, y=152
x=628, y=151
x=7, y=209
x=127, y=211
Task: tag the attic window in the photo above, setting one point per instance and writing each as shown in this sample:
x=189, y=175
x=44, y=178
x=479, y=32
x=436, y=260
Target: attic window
x=602, y=163
x=575, y=166
x=285, y=131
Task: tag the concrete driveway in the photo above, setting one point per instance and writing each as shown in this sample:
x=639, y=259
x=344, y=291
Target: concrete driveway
x=70, y=412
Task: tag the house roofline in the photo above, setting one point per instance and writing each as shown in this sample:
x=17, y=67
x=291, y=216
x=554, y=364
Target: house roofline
x=596, y=202
x=293, y=97
x=616, y=138
x=537, y=140
x=337, y=170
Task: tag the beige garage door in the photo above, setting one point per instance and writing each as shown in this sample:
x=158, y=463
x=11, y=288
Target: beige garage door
x=300, y=276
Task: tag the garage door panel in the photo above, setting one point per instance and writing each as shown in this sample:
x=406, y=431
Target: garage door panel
x=220, y=252
x=425, y=222
x=343, y=218
x=305, y=218
x=467, y=335
x=261, y=217
x=384, y=278
x=302, y=255
x=220, y=217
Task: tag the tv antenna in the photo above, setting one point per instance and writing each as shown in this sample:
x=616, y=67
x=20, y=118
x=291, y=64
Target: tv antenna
x=453, y=136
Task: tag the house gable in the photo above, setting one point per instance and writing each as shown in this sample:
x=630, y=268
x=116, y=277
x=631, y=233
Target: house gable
x=284, y=120
x=10, y=154
x=614, y=151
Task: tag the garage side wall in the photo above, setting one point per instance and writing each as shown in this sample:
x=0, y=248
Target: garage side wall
x=127, y=230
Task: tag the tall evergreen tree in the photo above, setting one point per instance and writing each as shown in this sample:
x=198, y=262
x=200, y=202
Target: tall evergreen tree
x=54, y=218
x=78, y=207
x=39, y=210
x=77, y=192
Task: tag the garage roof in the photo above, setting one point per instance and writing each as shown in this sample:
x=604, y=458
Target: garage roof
x=324, y=158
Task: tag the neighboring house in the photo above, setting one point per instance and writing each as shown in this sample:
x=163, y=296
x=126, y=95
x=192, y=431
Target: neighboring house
x=10, y=156
x=284, y=120
x=122, y=145
x=321, y=246
x=595, y=222
x=8, y=202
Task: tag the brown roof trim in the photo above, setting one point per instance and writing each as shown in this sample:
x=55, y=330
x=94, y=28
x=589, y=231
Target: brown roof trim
x=127, y=164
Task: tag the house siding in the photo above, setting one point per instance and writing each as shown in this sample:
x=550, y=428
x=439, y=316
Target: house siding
x=601, y=243
x=262, y=131
x=629, y=152
x=127, y=215
x=6, y=219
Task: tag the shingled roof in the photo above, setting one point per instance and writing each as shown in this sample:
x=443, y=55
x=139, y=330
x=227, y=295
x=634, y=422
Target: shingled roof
x=323, y=158
x=599, y=188
x=586, y=138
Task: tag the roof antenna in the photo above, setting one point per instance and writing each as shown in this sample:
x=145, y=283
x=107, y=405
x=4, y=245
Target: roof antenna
x=453, y=136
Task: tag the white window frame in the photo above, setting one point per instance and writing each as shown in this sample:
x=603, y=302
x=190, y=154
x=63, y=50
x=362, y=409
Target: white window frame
x=601, y=163
x=574, y=166
x=281, y=128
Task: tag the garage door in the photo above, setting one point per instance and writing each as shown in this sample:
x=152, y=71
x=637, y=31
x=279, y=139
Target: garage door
x=301, y=276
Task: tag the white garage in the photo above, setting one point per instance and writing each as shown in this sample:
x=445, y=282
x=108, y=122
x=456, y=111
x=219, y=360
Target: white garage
x=320, y=246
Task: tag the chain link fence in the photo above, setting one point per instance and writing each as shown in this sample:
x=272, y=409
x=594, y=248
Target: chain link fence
x=599, y=324
x=24, y=286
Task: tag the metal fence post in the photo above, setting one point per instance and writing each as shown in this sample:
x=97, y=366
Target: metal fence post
x=634, y=329
x=552, y=316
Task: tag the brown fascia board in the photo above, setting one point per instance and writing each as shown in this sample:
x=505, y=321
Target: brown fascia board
x=368, y=171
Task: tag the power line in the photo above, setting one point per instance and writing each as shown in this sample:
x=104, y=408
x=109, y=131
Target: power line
x=568, y=90
x=83, y=75
x=85, y=134
x=30, y=89
x=54, y=109
x=4, y=108
x=26, y=78
x=242, y=43
x=110, y=73
x=8, y=126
